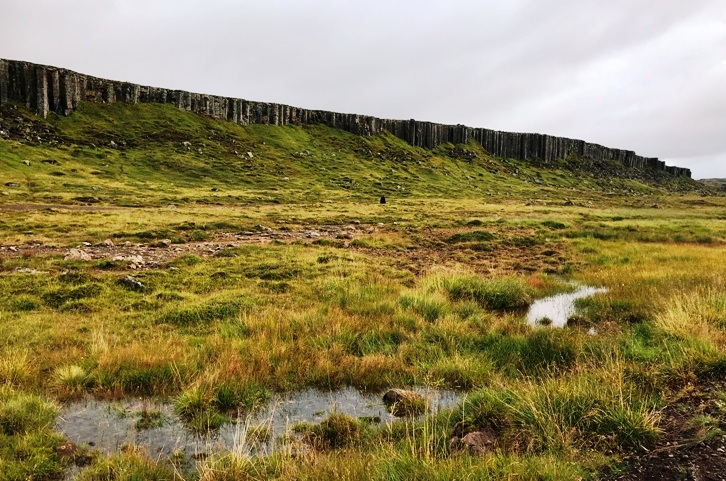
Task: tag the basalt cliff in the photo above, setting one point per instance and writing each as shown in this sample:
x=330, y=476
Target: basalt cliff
x=45, y=89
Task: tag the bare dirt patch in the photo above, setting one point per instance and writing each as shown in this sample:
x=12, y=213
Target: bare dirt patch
x=685, y=451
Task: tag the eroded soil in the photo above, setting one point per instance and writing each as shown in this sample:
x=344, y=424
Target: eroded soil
x=430, y=248
x=690, y=448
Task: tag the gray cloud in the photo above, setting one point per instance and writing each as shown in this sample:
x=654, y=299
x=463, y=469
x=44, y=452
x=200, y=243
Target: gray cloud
x=634, y=74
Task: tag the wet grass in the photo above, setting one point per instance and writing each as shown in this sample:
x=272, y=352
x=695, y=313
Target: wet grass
x=429, y=290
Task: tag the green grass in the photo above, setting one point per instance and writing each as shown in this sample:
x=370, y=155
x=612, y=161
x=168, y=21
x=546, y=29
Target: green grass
x=284, y=273
x=28, y=445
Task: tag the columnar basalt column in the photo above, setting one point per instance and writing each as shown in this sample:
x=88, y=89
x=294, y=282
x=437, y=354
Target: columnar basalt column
x=45, y=89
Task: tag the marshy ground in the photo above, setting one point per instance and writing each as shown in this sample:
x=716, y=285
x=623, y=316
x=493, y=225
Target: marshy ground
x=210, y=281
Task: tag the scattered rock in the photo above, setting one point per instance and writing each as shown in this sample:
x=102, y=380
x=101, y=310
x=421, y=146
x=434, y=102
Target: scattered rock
x=250, y=154
x=12, y=184
x=107, y=243
x=26, y=162
x=327, y=201
x=77, y=255
x=113, y=144
x=132, y=284
x=478, y=443
x=135, y=261
x=27, y=270
x=163, y=243
x=401, y=402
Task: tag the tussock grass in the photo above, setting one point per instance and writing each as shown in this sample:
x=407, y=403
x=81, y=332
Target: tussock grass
x=429, y=289
x=129, y=464
x=15, y=367
x=696, y=313
x=28, y=444
x=560, y=415
x=72, y=378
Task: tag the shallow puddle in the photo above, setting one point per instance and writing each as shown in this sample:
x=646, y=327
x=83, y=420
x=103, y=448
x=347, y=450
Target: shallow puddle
x=555, y=310
x=109, y=425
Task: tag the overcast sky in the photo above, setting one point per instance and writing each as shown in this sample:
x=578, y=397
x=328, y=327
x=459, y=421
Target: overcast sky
x=643, y=75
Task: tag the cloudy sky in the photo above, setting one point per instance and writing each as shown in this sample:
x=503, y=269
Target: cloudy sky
x=643, y=75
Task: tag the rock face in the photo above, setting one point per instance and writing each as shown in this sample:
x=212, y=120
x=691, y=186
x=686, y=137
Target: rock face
x=45, y=89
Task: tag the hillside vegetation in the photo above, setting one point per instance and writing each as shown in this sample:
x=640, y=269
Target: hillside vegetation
x=149, y=252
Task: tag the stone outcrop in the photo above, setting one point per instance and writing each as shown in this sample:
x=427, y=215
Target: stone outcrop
x=45, y=89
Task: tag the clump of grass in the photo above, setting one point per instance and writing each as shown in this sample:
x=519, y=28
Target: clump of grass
x=21, y=413
x=24, y=303
x=379, y=341
x=15, y=368
x=337, y=431
x=273, y=271
x=195, y=407
x=234, y=396
x=554, y=224
x=599, y=309
x=548, y=350
x=72, y=378
x=700, y=312
x=461, y=372
x=130, y=464
x=430, y=306
x=559, y=414
x=29, y=446
x=205, y=312
x=498, y=294
x=149, y=420
x=59, y=297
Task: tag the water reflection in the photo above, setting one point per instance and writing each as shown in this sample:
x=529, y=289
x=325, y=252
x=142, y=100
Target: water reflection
x=109, y=426
x=555, y=310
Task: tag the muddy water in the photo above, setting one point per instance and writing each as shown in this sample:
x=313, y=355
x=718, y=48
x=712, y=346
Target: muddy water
x=557, y=309
x=108, y=426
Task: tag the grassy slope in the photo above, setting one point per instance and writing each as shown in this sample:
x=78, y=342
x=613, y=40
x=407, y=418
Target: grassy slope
x=415, y=302
x=288, y=164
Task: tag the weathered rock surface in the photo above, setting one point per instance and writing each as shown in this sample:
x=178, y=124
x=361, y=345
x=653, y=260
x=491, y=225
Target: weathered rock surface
x=401, y=402
x=478, y=443
x=46, y=89
x=132, y=284
x=78, y=255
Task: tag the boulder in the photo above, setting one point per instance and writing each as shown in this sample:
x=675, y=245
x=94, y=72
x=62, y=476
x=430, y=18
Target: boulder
x=477, y=443
x=132, y=284
x=77, y=255
x=401, y=402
